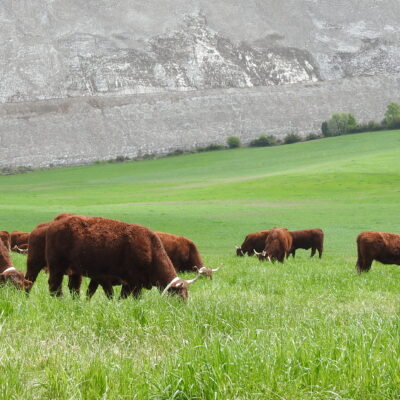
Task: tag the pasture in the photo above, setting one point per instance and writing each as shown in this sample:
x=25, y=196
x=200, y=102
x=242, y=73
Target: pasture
x=308, y=329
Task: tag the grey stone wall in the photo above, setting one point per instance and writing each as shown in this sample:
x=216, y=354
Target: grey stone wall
x=84, y=129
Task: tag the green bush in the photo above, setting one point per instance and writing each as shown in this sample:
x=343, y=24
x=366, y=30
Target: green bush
x=211, y=147
x=392, y=116
x=313, y=136
x=292, y=138
x=233, y=142
x=339, y=124
x=264, y=141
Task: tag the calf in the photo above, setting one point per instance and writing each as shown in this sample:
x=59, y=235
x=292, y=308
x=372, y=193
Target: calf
x=253, y=242
x=8, y=273
x=277, y=245
x=380, y=246
x=307, y=239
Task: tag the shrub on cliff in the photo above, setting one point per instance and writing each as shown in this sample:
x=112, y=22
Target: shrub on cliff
x=233, y=142
x=392, y=116
x=313, y=136
x=264, y=141
x=292, y=138
x=339, y=124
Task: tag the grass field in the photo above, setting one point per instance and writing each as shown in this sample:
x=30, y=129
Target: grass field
x=308, y=329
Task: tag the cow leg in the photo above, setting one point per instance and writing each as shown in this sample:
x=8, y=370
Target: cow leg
x=74, y=284
x=55, y=282
x=108, y=289
x=320, y=251
x=363, y=265
x=313, y=250
x=32, y=272
x=293, y=253
x=136, y=292
x=125, y=292
x=91, y=290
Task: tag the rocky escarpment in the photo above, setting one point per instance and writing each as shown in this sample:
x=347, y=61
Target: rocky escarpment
x=58, y=48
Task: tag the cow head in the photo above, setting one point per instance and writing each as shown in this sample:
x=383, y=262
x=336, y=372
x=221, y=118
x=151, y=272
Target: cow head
x=21, y=250
x=239, y=251
x=207, y=272
x=179, y=287
x=262, y=256
x=16, y=278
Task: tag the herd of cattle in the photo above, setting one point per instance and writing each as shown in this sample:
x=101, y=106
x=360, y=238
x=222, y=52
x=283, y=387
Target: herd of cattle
x=112, y=252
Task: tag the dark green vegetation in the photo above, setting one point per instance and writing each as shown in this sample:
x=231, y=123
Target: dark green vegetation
x=308, y=329
x=345, y=123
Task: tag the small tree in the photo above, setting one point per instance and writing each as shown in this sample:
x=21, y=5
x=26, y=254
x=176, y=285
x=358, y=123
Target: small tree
x=340, y=124
x=233, y=142
x=392, y=116
x=324, y=129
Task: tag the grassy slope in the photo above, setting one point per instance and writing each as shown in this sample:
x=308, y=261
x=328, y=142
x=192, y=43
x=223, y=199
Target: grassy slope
x=308, y=329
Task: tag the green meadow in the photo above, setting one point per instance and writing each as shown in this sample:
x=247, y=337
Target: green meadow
x=307, y=329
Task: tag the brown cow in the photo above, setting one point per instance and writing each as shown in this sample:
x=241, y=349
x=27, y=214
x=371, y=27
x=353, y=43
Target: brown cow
x=5, y=238
x=37, y=260
x=307, y=239
x=107, y=250
x=380, y=246
x=18, y=239
x=182, y=252
x=277, y=245
x=8, y=273
x=253, y=242
x=21, y=250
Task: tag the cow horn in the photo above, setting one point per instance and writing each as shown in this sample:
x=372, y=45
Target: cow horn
x=237, y=247
x=169, y=285
x=215, y=270
x=269, y=259
x=257, y=254
x=190, y=281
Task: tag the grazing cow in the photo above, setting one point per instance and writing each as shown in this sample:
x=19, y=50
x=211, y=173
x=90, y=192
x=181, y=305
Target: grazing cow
x=18, y=239
x=380, y=246
x=253, y=242
x=207, y=272
x=307, y=239
x=5, y=238
x=21, y=250
x=182, y=252
x=277, y=245
x=107, y=251
x=37, y=257
x=8, y=273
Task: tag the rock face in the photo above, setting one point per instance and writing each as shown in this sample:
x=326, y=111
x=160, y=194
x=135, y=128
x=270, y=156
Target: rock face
x=61, y=49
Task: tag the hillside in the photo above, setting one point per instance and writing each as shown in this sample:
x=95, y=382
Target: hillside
x=320, y=183
x=307, y=329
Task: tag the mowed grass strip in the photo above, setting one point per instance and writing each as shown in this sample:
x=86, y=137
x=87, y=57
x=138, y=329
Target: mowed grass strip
x=308, y=329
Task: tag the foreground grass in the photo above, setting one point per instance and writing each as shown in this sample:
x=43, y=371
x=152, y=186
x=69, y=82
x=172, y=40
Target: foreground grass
x=310, y=329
